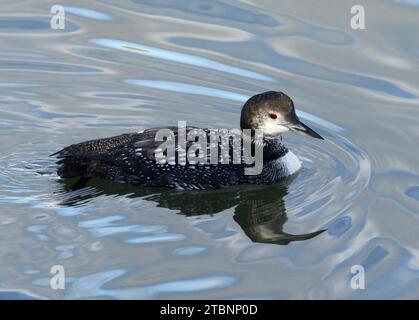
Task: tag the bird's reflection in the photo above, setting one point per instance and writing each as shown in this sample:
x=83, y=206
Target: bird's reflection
x=259, y=210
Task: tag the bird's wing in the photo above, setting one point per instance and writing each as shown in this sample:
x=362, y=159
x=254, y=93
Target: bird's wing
x=128, y=147
x=95, y=147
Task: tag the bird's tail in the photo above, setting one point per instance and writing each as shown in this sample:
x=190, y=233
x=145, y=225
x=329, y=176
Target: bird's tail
x=71, y=170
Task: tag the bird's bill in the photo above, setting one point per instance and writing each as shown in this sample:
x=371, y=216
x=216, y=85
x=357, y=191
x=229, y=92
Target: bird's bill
x=301, y=127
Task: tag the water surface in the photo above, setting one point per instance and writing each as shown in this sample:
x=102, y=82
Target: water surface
x=122, y=66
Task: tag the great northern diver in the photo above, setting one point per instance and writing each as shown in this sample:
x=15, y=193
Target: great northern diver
x=131, y=157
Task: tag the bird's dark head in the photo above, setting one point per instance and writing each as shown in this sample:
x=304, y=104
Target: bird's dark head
x=273, y=112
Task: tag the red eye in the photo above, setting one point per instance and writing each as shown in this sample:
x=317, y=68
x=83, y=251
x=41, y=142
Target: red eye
x=273, y=116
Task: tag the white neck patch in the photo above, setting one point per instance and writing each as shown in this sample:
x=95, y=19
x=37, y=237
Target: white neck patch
x=291, y=162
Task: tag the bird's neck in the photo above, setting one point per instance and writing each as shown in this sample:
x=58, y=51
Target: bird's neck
x=273, y=149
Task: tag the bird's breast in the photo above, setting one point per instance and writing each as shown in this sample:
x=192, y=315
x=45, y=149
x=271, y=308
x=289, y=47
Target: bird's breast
x=290, y=163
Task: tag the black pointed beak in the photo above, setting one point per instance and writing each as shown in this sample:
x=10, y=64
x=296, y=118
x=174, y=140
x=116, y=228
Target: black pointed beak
x=305, y=129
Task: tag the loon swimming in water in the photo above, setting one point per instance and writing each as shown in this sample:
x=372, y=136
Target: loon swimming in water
x=131, y=157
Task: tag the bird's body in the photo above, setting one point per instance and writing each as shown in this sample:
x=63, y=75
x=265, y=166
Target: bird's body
x=132, y=158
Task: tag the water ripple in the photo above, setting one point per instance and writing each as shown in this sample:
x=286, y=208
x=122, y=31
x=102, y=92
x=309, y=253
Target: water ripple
x=49, y=67
x=33, y=25
x=88, y=13
x=247, y=51
x=212, y=92
x=214, y=9
x=94, y=286
x=178, y=57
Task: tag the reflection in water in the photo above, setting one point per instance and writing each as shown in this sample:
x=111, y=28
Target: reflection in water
x=214, y=9
x=212, y=92
x=178, y=57
x=31, y=25
x=87, y=13
x=259, y=210
x=295, y=65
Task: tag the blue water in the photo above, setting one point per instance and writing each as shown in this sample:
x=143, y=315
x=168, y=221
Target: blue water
x=122, y=66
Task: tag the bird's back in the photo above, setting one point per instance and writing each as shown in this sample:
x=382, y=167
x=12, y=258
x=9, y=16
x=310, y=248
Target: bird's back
x=132, y=158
